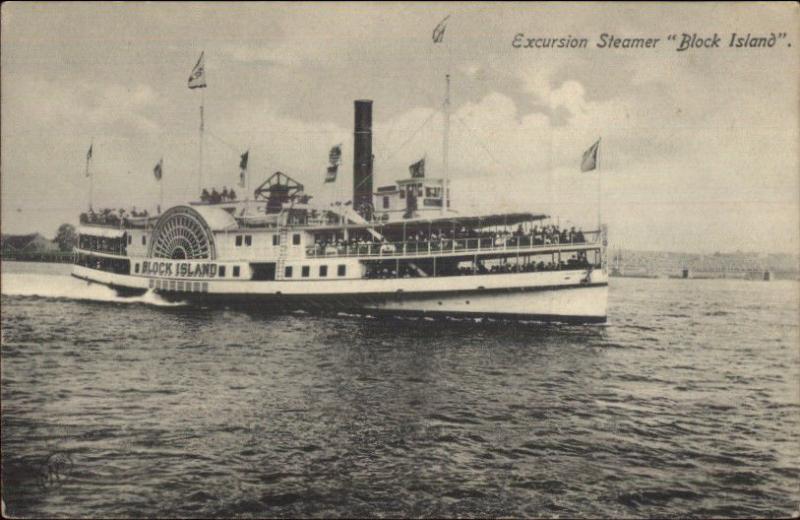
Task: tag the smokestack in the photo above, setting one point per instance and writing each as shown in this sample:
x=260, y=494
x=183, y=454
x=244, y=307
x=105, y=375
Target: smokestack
x=362, y=156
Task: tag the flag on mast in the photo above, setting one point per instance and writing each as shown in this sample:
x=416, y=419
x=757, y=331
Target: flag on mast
x=335, y=155
x=330, y=175
x=589, y=161
x=158, y=170
x=417, y=169
x=243, y=168
x=334, y=158
x=89, y=158
x=438, y=32
x=198, y=77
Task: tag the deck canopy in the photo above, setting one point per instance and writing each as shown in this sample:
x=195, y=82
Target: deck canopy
x=474, y=221
x=217, y=219
x=496, y=219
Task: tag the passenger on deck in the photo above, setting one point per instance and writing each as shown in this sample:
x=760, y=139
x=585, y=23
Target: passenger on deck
x=214, y=198
x=232, y=194
x=204, y=196
x=224, y=194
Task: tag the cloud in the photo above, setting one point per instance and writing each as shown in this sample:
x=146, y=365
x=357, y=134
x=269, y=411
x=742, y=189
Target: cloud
x=40, y=105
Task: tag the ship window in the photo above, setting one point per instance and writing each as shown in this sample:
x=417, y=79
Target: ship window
x=248, y=240
x=236, y=271
x=402, y=194
x=276, y=240
x=221, y=271
x=287, y=272
x=136, y=267
x=296, y=239
x=341, y=270
x=144, y=240
x=323, y=271
x=238, y=240
x=386, y=203
x=306, y=271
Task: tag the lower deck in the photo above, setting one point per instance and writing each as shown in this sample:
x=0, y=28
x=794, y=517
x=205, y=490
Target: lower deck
x=563, y=295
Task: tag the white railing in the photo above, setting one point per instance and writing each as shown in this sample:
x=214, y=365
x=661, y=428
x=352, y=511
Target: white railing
x=449, y=246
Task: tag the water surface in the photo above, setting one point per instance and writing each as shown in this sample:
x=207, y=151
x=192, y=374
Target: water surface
x=684, y=404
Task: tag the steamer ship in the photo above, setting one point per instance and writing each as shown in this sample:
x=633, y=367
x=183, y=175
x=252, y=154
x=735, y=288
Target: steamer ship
x=398, y=249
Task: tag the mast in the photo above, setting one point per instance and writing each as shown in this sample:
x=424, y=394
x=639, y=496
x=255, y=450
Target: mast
x=446, y=145
x=599, y=189
x=89, y=173
x=91, y=182
x=202, y=128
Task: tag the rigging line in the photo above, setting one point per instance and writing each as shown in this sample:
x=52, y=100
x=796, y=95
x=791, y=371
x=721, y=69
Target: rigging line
x=477, y=138
x=413, y=135
x=218, y=138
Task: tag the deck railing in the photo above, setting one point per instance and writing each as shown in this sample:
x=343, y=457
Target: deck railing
x=448, y=246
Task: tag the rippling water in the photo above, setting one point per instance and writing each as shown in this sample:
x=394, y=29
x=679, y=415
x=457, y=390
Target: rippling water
x=684, y=404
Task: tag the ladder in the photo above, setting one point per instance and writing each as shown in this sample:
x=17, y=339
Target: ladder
x=283, y=236
x=353, y=216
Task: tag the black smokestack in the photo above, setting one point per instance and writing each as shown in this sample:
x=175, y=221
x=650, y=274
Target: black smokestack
x=362, y=156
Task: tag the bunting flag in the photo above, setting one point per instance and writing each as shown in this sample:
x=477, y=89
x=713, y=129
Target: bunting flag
x=243, y=168
x=589, y=161
x=335, y=155
x=157, y=171
x=417, y=169
x=198, y=77
x=335, y=158
x=438, y=32
x=89, y=158
x=330, y=176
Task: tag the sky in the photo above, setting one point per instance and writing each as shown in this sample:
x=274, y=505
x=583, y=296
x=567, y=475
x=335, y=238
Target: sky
x=699, y=149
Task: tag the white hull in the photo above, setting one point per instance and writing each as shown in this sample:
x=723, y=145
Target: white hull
x=588, y=303
x=554, y=295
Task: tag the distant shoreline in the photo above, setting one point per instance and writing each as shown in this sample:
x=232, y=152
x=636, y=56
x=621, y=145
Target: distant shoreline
x=51, y=258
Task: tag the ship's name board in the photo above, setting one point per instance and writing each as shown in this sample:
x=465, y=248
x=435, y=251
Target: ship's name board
x=182, y=269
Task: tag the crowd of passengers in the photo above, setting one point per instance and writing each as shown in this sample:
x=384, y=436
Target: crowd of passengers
x=110, y=216
x=111, y=265
x=579, y=261
x=443, y=239
x=116, y=246
x=549, y=234
x=215, y=197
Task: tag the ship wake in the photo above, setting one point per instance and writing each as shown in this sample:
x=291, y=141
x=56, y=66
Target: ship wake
x=69, y=288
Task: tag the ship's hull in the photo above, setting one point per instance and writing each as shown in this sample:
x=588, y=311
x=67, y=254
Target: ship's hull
x=566, y=296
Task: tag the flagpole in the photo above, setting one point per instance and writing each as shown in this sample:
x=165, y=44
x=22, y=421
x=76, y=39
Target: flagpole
x=202, y=128
x=446, y=140
x=161, y=187
x=89, y=173
x=599, y=188
x=91, y=181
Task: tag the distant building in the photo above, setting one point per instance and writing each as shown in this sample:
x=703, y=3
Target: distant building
x=33, y=243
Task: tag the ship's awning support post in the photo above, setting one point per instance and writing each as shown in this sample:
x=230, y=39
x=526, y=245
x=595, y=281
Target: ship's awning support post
x=429, y=245
x=404, y=237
